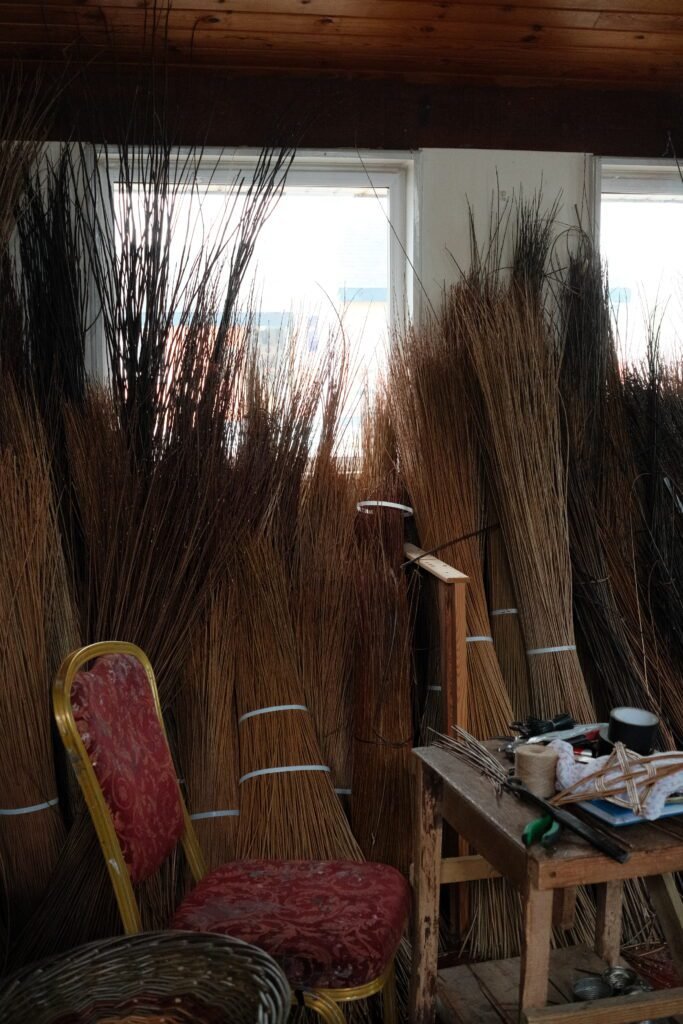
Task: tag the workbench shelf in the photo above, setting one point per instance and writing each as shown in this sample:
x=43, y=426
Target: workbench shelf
x=488, y=993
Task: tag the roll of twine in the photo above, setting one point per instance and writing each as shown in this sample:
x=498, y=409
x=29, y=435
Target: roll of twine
x=536, y=766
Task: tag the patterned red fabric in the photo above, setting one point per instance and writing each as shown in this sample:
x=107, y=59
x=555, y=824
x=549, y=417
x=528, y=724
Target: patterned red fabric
x=329, y=924
x=117, y=720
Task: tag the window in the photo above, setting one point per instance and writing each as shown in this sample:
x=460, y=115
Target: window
x=641, y=227
x=335, y=249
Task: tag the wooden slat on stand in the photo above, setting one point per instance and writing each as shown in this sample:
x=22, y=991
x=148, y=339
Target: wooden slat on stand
x=451, y=601
x=451, y=596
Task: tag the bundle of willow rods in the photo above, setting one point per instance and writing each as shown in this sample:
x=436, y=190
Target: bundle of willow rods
x=52, y=275
x=206, y=728
x=325, y=582
x=31, y=829
x=615, y=667
x=157, y=271
x=23, y=124
x=381, y=801
x=288, y=807
x=150, y=463
x=514, y=371
x=653, y=397
x=508, y=638
x=441, y=465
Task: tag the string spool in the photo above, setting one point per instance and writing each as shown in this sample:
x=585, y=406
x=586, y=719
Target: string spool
x=536, y=766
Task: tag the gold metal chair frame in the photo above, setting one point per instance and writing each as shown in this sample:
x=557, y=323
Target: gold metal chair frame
x=323, y=1001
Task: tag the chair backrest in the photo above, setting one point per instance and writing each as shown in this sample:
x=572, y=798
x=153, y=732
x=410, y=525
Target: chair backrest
x=108, y=714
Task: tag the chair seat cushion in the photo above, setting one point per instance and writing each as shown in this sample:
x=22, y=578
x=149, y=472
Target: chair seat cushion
x=329, y=924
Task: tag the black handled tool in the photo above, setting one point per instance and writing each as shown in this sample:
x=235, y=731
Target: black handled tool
x=569, y=821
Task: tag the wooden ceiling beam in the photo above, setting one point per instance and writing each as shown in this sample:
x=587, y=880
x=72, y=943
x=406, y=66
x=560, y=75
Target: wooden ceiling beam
x=514, y=69
x=232, y=110
x=217, y=30
x=386, y=9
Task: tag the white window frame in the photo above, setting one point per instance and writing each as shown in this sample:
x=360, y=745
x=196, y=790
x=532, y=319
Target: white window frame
x=632, y=177
x=393, y=170
x=351, y=168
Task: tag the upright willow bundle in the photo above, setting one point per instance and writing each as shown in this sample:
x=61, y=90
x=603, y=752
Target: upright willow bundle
x=506, y=629
x=653, y=396
x=151, y=532
x=440, y=462
x=325, y=586
x=150, y=462
x=158, y=268
x=31, y=829
x=614, y=644
x=381, y=800
x=23, y=124
x=288, y=807
x=206, y=727
x=53, y=279
x=23, y=121
x=514, y=366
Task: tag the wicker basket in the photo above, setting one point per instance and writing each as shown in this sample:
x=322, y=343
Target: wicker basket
x=156, y=978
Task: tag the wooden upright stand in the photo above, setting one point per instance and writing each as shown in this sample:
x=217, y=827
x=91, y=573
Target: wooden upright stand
x=451, y=597
x=451, y=600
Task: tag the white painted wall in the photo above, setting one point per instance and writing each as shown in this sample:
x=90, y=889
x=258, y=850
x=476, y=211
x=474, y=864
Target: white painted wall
x=446, y=179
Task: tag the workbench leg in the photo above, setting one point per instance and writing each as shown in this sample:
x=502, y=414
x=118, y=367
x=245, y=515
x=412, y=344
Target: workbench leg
x=666, y=904
x=426, y=885
x=610, y=898
x=564, y=908
x=537, y=909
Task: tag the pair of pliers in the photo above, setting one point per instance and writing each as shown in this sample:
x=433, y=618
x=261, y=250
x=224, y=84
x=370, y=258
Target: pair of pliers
x=544, y=830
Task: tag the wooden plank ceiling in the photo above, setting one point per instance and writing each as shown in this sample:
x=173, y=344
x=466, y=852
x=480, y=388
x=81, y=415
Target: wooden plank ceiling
x=617, y=44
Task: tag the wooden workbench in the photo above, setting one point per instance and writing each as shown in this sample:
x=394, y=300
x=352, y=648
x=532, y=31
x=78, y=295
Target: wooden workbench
x=448, y=790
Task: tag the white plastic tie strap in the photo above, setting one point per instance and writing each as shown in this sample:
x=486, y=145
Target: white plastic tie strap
x=479, y=640
x=214, y=814
x=552, y=650
x=368, y=506
x=504, y=611
x=343, y=792
x=10, y=812
x=436, y=689
x=271, y=709
x=286, y=768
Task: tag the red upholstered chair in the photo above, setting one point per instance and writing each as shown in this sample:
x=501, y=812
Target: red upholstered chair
x=333, y=926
